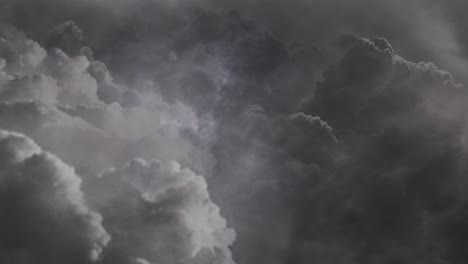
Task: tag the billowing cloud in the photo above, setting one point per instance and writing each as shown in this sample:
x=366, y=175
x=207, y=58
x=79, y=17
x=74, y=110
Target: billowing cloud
x=315, y=147
x=45, y=218
x=162, y=213
x=401, y=126
x=63, y=100
x=70, y=104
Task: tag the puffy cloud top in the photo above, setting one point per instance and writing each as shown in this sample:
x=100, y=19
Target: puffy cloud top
x=45, y=218
x=165, y=210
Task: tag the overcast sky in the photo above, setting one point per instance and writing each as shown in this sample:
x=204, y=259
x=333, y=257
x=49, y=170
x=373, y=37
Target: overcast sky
x=222, y=132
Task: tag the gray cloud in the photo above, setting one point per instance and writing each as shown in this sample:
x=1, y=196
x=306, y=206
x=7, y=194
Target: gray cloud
x=318, y=148
x=162, y=213
x=44, y=216
x=71, y=105
x=401, y=125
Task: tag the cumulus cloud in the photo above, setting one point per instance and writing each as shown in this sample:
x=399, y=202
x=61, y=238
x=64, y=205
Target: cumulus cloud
x=372, y=87
x=162, y=213
x=44, y=215
x=70, y=104
x=72, y=138
x=375, y=160
x=402, y=126
x=344, y=152
x=27, y=63
x=62, y=100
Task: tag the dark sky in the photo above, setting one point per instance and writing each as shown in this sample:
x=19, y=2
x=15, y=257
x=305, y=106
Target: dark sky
x=222, y=132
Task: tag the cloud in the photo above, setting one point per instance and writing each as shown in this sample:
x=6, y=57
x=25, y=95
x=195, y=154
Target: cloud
x=374, y=161
x=44, y=215
x=72, y=106
x=62, y=100
x=401, y=128
x=371, y=86
x=72, y=138
x=66, y=37
x=36, y=86
x=306, y=138
x=162, y=213
x=344, y=152
x=26, y=61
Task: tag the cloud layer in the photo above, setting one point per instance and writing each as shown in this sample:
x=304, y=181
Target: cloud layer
x=318, y=137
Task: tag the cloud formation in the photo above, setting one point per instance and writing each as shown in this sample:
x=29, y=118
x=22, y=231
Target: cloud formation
x=315, y=146
x=45, y=218
x=68, y=102
x=162, y=213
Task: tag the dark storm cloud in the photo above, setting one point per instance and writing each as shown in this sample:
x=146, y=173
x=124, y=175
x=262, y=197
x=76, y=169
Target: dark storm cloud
x=307, y=138
x=372, y=87
x=377, y=177
x=343, y=153
x=402, y=128
x=266, y=159
x=44, y=216
x=418, y=29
